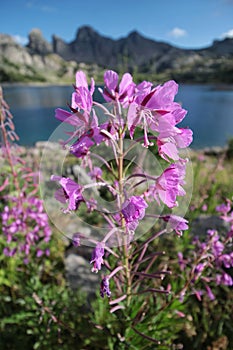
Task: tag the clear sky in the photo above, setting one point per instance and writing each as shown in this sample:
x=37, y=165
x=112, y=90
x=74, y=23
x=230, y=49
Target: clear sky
x=183, y=23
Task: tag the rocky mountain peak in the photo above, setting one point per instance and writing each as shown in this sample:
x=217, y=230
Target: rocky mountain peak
x=86, y=33
x=37, y=44
x=135, y=35
x=6, y=39
x=224, y=47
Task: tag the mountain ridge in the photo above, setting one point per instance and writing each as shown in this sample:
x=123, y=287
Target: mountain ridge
x=134, y=53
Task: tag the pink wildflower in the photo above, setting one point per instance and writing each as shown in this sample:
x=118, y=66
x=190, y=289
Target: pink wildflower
x=176, y=223
x=82, y=97
x=169, y=185
x=93, y=136
x=133, y=211
x=210, y=293
x=76, y=240
x=70, y=192
x=155, y=109
x=104, y=287
x=97, y=257
x=113, y=91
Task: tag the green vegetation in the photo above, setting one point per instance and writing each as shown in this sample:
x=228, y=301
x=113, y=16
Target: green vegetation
x=212, y=181
x=39, y=310
x=220, y=71
x=11, y=72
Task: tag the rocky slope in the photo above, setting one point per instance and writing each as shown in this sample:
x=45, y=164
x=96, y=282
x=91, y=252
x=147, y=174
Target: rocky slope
x=42, y=60
x=35, y=63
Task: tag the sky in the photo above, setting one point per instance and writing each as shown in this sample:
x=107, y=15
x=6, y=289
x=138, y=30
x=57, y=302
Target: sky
x=182, y=23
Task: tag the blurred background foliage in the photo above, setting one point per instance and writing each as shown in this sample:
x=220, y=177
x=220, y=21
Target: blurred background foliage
x=39, y=310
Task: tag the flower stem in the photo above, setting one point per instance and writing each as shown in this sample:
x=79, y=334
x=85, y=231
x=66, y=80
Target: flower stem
x=121, y=195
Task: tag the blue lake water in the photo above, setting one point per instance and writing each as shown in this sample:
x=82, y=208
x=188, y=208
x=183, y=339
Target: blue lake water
x=210, y=111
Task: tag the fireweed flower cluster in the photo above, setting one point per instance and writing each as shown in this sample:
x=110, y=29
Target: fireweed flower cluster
x=131, y=107
x=25, y=228
x=24, y=223
x=213, y=258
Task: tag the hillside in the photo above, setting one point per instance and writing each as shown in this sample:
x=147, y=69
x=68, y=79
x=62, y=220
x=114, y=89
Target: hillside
x=57, y=61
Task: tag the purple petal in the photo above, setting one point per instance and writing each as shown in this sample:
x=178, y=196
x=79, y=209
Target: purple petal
x=125, y=83
x=134, y=210
x=111, y=80
x=168, y=149
x=210, y=293
x=97, y=257
x=142, y=90
x=81, y=79
x=81, y=147
x=67, y=117
x=104, y=287
x=133, y=118
x=179, y=113
x=184, y=138
x=60, y=196
x=163, y=96
x=72, y=192
x=82, y=99
x=55, y=178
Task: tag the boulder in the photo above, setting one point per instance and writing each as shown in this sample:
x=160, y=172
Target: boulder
x=206, y=222
x=79, y=275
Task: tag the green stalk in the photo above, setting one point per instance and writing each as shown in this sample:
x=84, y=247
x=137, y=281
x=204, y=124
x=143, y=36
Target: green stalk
x=121, y=190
